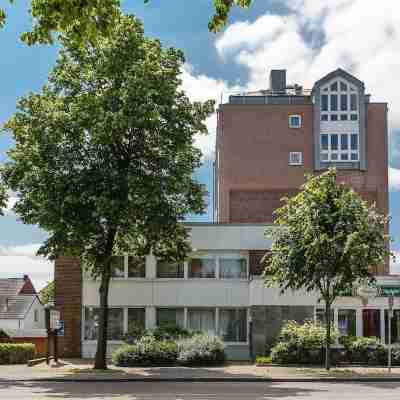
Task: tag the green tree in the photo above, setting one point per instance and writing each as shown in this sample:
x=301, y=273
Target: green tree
x=326, y=239
x=87, y=19
x=47, y=294
x=104, y=155
x=3, y=198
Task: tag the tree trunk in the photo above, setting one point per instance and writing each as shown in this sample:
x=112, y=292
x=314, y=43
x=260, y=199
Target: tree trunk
x=328, y=335
x=101, y=352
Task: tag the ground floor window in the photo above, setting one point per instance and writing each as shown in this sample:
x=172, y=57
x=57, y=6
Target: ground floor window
x=371, y=323
x=232, y=268
x=115, y=323
x=201, y=319
x=136, y=319
x=233, y=325
x=395, y=327
x=202, y=268
x=347, y=322
x=167, y=269
x=320, y=316
x=170, y=317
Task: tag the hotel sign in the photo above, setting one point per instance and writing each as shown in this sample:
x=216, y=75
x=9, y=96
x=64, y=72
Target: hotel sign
x=385, y=291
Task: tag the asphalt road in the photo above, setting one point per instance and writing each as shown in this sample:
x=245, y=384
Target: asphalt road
x=199, y=391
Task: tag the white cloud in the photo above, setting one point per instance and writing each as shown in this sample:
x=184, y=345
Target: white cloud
x=202, y=88
x=394, y=179
x=395, y=264
x=12, y=199
x=16, y=261
x=360, y=36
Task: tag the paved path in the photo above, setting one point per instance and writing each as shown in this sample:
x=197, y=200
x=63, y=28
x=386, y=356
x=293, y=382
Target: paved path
x=199, y=391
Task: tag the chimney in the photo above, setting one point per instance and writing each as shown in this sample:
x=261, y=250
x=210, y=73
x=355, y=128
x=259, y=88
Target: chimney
x=277, y=80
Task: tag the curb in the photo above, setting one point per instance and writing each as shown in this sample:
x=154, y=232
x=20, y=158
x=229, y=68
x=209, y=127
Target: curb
x=210, y=380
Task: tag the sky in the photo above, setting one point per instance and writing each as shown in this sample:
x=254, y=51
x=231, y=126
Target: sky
x=309, y=38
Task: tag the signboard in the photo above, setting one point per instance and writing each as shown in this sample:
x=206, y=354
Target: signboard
x=60, y=328
x=389, y=291
x=54, y=319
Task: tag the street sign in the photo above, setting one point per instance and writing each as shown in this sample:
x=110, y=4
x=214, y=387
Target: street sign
x=389, y=291
x=54, y=319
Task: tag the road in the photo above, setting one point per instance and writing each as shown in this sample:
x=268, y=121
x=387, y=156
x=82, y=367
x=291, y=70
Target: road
x=199, y=391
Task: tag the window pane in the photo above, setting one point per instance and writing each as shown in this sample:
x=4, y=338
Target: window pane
x=169, y=269
x=324, y=157
x=136, y=319
x=334, y=102
x=201, y=319
x=233, y=325
x=232, y=268
x=334, y=86
x=294, y=121
x=324, y=142
x=334, y=156
x=115, y=323
x=334, y=117
x=344, y=142
x=344, y=156
x=343, y=86
x=324, y=117
x=395, y=326
x=136, y=267
x=371, y=323
x=170, y=317
x=202, y=268
x=354, y=117
x=347, y=322
x=334, y=142
x=117, y=266
x=324, y=102
x=354, y=156
x=343, y=117
x=343, y=102
x=353, y=102
x=354, y=142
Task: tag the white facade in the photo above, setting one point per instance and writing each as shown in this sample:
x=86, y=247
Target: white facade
x=218, y=296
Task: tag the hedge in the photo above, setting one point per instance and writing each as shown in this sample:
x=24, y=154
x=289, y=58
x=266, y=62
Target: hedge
x=149, y=351
x=16, y=353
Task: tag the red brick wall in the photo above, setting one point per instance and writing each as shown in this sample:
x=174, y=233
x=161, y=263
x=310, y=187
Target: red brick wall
x=68, y=300
x=255, y=257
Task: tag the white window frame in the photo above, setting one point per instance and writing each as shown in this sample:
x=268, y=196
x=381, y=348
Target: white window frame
x=290, y=121
x=329, y=152
x=326, y=90
x=299, y=154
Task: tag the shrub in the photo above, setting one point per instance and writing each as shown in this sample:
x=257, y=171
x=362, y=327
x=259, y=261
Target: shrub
x=3, y=334
x=366, y=350
x=145, y=352
x=201, y=350
x=171, y=332
x=133, y=335
x=16, y=353
x=261, y=360
x=301, y=343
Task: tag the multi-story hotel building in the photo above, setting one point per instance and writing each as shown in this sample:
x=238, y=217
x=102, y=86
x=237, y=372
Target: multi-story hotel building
x=266, y=142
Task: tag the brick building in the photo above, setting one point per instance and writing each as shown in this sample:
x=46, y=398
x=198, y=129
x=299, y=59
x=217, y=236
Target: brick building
x=266, y=142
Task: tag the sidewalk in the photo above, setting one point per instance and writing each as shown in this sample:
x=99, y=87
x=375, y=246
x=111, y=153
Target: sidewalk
x=81, y=370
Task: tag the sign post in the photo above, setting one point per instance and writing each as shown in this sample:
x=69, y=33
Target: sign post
x=390, y=316
x=52, y=318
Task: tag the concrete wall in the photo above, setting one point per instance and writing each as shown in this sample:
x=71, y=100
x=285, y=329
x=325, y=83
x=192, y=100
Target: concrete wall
x=10, y=324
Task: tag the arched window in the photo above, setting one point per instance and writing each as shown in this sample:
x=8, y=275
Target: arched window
x=339, y=101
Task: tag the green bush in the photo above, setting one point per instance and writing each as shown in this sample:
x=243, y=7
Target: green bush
x=146, y=351
x=301, y=343
x=171, y=332
x=3, y=334
x=366, y=350
x=168, y=333
x=262, y=360
x=201, y=350
x=16, y=353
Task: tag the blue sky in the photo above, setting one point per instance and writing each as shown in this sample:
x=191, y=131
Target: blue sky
x=307, y=37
